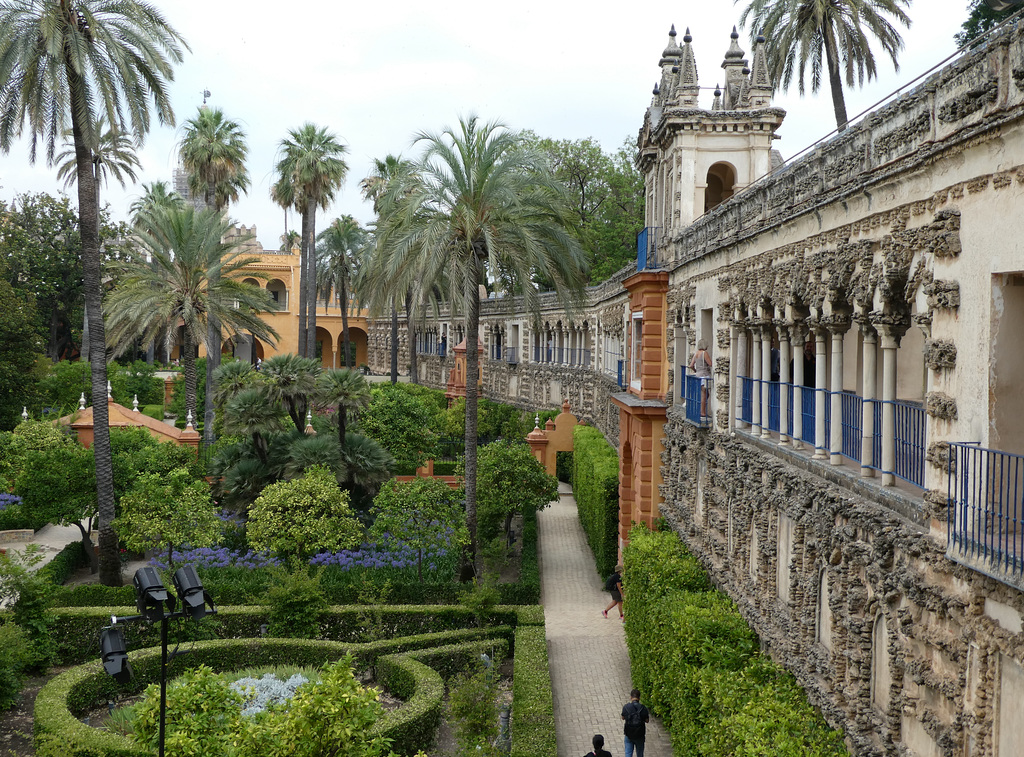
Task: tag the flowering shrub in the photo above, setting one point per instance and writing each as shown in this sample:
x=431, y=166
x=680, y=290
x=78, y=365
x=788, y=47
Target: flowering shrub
x=217, y=557
x=7, y=500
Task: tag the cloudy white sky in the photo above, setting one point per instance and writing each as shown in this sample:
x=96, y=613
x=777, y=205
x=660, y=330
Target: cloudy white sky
x=377, y=72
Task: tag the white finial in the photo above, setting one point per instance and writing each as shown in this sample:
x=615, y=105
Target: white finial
x=188, y=421
x=309, y=417
x=536, y=421
x=108, y=391
x=24, y=413
x=81, y=402
x=135, y=404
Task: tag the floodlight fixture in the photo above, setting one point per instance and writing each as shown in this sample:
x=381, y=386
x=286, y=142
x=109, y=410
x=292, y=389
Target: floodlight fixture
x=115, y=654
x=194, y=598
x=150, y=594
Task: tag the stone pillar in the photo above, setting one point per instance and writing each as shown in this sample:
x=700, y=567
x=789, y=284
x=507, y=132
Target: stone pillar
x=869, y=352
x=766, y=376
x=736, y=400
x=890, y=343
x=838, y=330
x=799, y=334
x=738, y=370
x=785, y=356
x=820, y=393
x=755, y=375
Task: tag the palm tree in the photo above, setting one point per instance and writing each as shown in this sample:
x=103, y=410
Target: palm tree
x=481, y=206
x=213, y=152
x=64, y=61
x=155, y=195
x=182, y=272
x=345, y=390
x=802, y=32
x=310, y=172
x=291, y=380
x=290, y=240
x=341, y=245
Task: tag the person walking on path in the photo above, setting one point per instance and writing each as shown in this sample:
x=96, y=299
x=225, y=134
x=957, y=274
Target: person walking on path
x=614, y=585
x=635, y=717
x=599, y=750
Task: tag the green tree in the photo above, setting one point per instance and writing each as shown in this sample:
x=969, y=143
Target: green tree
x=213, y=152
x=981, y=19
x=304, y=516
x=343, y=390
x=341, y=246
x=401, y=423
x=511, y=481
x=168, y=510
x=189, y=277
x=423, y=514
x=155, y=195
x=20, y=348
x=481, y=206
x=833, y=38
x=310, y=171
x=113, y=157
x=62, y=61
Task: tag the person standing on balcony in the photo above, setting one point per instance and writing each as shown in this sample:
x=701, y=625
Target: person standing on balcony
x=700, y=364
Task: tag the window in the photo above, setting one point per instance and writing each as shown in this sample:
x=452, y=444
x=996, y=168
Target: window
x=636, y=350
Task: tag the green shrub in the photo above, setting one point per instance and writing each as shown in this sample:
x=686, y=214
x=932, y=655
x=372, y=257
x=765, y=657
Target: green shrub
x=716, y=693
x=15, y=656
x=473, y=714
x=533, y=711
x=153, y=411
x=563, y=466
x=297, y=603
x=28, y=595
x=595, y=484
x=65, y=563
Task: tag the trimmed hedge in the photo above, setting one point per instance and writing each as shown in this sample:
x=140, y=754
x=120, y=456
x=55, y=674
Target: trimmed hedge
x=65, y=563
x=716, y=693
x=533, y=709
x=596, y=489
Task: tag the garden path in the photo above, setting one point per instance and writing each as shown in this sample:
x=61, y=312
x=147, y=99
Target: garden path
x=587, y=654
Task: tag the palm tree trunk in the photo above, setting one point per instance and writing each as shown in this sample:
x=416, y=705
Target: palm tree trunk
x=303, y=255
x=188, y=360
x=89, y=228
x=394, y=343
x=472, y=371
x=311, y=279
x=212, y=339
x=410, y=340
x=344, y=326
x=342, y=423
x=835, y=80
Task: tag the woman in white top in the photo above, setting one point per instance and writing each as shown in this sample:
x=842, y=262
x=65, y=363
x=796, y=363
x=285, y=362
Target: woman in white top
x=700, y=364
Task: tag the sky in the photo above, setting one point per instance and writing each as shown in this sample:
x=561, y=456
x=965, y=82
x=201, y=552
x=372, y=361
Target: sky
x=378, y=73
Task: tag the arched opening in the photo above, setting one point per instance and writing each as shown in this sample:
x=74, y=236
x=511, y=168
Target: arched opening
x=881, y=677
x=325, y=348
x=356, y=345
x=824, y=615
x=279, y=293
x=721, y=181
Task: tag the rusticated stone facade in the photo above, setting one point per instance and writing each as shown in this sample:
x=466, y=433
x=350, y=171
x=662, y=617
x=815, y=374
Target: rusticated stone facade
x=849, y=471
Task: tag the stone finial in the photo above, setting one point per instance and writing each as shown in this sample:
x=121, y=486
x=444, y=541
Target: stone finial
x=688, y=89
x=309, y=430
x=81, y=401
x=536, y=420
x=188, y=421
x=733, y=65
x=109, y=390
x=717, y=104
x=24, y=413
x=135, y=404
x=670, y=59
x=759, y=93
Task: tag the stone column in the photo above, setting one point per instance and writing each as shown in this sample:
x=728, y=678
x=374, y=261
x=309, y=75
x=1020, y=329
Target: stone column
x=838, y=330
x=890, y=343
x=820, y=376
x=766, y=376
x=799, y=334
x=755, y=375
x=785, y=356
x=869, y=352
x=738, y=368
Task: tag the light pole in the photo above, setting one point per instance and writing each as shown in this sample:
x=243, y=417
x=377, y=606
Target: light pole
x=154, y=604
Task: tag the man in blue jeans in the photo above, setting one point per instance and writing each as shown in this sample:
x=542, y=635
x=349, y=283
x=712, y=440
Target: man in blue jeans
x=636, y=718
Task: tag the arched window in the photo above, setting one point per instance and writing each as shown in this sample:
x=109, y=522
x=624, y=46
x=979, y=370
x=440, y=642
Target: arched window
x=279, y=293
x=720, y=182
x=823, y=625
x=881, y=678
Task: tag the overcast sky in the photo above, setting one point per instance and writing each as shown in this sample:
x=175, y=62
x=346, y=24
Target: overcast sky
x=377, y=72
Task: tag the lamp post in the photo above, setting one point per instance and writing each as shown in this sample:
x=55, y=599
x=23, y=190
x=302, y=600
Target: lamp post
x=155, y=603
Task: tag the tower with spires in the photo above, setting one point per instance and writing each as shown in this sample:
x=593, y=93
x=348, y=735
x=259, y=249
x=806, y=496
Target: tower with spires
x=695, y=157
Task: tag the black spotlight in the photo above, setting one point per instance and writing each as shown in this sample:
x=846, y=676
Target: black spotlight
x=115, y=654
x=150, y=594
x=194, y=598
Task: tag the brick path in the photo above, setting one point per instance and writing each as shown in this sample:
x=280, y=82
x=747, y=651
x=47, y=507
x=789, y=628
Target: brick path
x=587, y=654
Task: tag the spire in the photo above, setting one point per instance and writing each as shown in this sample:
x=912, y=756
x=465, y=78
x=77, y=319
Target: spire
x=733, y=65
x=669, y=70
x=760, y=93
x=688, y=90
x=717, y=105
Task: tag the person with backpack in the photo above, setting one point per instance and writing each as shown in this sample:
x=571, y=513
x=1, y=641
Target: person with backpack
x=635, y=717
x=599, y=750
x=614, y=585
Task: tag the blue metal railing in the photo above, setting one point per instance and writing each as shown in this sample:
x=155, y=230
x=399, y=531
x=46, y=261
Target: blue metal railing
x=647, y=249
x=747, y=402
x=774, y=406
x=698, y=400
x=985, y=516
x=910, y=442
x=511, y=355
x=621, y=377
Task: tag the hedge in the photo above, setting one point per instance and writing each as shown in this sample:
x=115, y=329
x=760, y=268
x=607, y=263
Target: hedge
x=65, y=563
x=716, y=693
x=533, y=709
x=596, y=489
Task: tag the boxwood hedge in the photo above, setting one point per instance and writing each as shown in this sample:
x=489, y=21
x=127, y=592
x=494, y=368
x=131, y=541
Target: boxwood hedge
x=595, y=485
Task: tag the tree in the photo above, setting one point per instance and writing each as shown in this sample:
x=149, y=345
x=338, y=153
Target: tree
x=155, y=195
x=481, y=206
x=422, y=514
x=503, y=462
x=213, y=152
x=341, y=246
x=113, y=157
x=343, y=390
x=304, y=516
x=400, y=423
x=310, y=172
x=20, y=348
x=981, y=19
x=62, y=62
x=838, y=33
x=191, y=274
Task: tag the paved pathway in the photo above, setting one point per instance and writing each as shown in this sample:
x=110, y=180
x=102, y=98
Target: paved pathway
x=587, y=654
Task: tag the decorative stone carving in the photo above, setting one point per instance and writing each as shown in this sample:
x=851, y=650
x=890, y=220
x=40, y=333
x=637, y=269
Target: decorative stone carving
x=940, y=354
x=941, y=406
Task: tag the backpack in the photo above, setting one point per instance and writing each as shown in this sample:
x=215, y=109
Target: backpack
x=612, y=584
x=635, y=724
